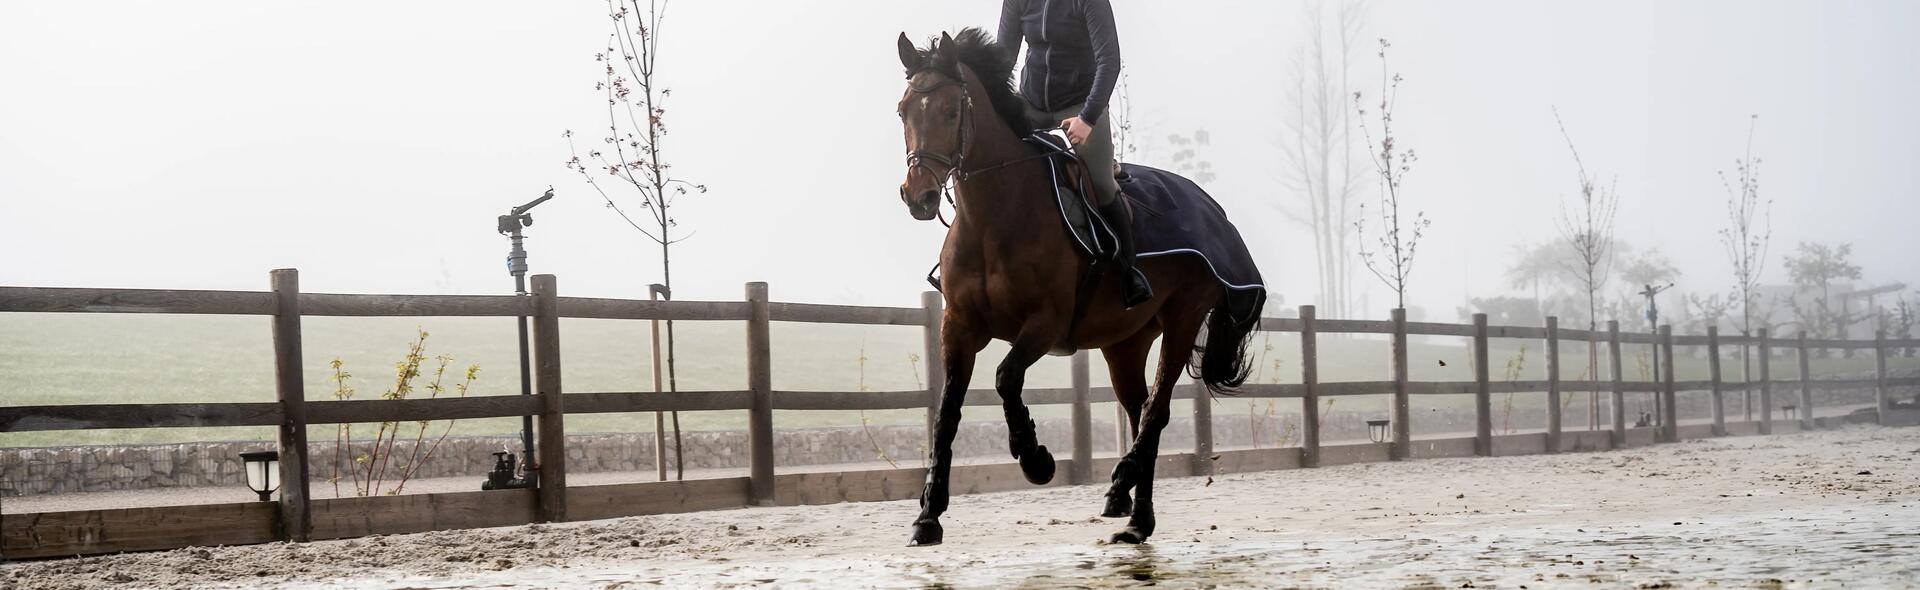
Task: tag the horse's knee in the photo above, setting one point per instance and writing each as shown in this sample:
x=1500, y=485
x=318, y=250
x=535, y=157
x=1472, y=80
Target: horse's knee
x=1009, y=381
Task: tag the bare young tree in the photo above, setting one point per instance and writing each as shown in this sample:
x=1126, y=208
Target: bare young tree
x=1396, y=244
x=630, y=160
x=1586, y=226
x=1745, y=238
x=1318, y=151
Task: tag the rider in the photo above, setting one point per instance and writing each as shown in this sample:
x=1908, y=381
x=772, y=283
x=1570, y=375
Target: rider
x=1073, y=64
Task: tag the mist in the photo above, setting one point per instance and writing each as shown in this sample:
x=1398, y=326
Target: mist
x=371, y=145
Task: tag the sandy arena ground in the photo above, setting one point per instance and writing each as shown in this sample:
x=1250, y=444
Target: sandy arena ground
x=1823, y=509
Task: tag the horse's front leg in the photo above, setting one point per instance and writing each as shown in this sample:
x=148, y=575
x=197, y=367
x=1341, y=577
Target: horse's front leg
x=1022, y=438
x=958, y=352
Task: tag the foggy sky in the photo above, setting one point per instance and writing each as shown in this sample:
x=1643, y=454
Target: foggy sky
x=175, y=145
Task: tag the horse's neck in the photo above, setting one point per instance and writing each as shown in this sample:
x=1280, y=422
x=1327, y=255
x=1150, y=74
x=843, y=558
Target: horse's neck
x=1002, y=199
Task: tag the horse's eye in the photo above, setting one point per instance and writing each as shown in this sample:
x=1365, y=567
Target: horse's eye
x=953, y=113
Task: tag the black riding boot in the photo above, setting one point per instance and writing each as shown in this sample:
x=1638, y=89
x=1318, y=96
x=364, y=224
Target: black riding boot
x=1134, y=289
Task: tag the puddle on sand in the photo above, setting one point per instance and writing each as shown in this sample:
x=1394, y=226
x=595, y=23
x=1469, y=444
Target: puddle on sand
x=1858, y=546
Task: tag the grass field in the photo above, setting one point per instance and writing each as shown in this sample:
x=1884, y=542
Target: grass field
x=128, y=358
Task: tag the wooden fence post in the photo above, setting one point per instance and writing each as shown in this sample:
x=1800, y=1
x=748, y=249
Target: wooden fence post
x=1713, y=370
x=1669, y=403
x=1766, y=383
x=546, y=384
x=1880, y=376
x=1082, y=470
x=1402, y=447
x=296, y=519
x=1482, y=394
x=760, y=384
x=1553, y=384
x=1310, y=385
x=1202, y=429
x=932, y=305
x=1619, y=400
x=1806, y=385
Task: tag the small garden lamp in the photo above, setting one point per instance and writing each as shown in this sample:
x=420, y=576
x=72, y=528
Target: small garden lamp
x=263, y=472
x=1377, y=430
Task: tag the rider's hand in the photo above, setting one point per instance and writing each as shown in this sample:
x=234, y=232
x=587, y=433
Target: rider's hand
x=1077, y=130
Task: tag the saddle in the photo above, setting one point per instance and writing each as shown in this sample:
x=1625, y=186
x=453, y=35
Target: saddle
x=1073, y=192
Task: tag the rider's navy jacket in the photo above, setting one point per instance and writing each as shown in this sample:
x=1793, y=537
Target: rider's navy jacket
x=1073, y=54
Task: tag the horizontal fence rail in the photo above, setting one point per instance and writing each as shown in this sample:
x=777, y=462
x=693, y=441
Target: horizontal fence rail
x=296, y=517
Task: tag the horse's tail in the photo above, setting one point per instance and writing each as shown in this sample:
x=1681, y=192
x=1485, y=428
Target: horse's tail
x=1221, y=363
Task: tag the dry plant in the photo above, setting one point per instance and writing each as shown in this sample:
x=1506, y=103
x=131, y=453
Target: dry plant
x=630, y=158
x=1587, y=227
x=866, y=424
x=371, y=466
x=1391, y=164
x=1749, y=230
x=1516, y=366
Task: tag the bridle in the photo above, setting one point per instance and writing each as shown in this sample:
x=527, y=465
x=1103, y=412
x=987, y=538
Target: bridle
x=955, y=164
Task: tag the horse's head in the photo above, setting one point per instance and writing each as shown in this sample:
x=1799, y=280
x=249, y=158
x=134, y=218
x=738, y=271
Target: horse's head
x=935, y=112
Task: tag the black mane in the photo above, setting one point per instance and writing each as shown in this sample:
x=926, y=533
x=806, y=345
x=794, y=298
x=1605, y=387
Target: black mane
x=990, y=61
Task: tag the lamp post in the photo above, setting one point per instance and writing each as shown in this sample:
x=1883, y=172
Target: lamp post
x=263, y=472
x=1378, y=431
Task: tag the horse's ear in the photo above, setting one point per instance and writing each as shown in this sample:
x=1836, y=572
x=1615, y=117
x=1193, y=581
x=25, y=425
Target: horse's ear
x=946, y=57
x=909, y=55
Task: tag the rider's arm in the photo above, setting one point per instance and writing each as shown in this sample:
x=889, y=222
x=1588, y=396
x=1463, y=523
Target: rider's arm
x=1010, y=26
x=1106, y=59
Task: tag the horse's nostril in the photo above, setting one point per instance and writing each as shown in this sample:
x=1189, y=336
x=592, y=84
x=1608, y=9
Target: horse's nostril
x=903, y=192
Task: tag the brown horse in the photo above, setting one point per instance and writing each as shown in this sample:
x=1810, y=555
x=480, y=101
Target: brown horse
x=1010, y=272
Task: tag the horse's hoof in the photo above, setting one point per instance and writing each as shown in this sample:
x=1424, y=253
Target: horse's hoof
x=1130, y=536
x=1037, y=466
x=926, y=533
x=1118, y=505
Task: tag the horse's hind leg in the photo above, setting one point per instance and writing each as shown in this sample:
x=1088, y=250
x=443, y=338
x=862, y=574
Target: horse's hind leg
x=1175, y=350
x=1126, y=369
x=1035, y=462
x=959, y=349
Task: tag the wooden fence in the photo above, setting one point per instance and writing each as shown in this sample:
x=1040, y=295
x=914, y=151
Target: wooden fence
x=297, y=517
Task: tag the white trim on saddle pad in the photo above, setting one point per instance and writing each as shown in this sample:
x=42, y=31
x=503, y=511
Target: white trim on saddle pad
x=1203, y=258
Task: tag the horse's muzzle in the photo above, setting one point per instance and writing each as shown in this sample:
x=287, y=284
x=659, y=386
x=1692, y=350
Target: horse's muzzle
x=923, y=208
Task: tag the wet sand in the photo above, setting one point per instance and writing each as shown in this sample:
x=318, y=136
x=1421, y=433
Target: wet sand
x=1823, y=509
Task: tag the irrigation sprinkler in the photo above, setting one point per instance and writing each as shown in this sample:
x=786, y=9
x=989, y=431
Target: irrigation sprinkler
x=510, y=225
x=1653, y=327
